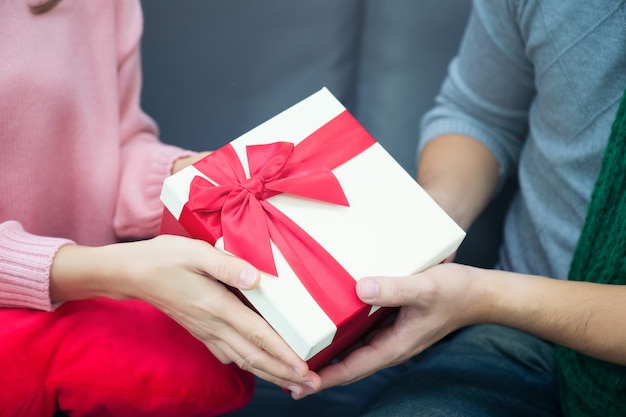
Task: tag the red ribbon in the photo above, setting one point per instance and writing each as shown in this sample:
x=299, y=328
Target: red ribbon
x=237, y=207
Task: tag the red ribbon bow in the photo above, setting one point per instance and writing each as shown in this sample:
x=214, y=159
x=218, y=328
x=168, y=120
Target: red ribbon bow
x=241, y=203
x=237, y=207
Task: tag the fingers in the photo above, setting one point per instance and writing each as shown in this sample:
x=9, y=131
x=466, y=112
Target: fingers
x=184, y=162
x=180, y=277
x=279, y=373
x=450, y=258
x=244, y=337
x=213, y=314
x=365, y=361
x=218, y=352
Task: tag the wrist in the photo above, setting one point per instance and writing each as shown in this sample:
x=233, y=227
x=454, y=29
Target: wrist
x=487, y=295
x=81, y=272
x=504, y=298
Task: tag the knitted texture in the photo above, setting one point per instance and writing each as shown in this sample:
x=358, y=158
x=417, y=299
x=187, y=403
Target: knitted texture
x=590, y=387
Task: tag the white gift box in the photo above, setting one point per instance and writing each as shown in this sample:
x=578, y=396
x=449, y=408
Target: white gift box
x=391, y=227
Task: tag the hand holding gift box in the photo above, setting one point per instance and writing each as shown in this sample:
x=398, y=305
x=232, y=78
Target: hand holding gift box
x=314, y=202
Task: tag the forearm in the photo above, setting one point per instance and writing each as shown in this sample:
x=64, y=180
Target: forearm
x=586, y=317
x=460, y=173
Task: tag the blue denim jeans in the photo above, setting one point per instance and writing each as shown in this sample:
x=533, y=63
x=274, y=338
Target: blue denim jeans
x=481, y=371
x=484, y=370
x=344, y=401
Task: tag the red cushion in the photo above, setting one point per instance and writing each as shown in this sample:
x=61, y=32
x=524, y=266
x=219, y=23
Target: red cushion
x=111, y=358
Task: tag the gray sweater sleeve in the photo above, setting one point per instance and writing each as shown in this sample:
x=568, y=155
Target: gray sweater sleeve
x=489, y=86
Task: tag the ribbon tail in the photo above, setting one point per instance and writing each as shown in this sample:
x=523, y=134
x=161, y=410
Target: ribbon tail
x=246, y=233
x=321, y=274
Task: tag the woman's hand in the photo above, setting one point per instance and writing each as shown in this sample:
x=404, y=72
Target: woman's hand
x=181, y=277
x=184, y=162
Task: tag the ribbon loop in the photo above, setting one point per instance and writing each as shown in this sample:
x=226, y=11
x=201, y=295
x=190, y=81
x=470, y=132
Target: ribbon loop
x=269, y=160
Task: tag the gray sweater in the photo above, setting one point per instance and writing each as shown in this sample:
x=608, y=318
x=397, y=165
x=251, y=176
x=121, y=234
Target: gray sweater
x=539, y=83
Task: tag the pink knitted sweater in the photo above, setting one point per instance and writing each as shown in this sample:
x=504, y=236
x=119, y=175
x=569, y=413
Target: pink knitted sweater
x=80, y=160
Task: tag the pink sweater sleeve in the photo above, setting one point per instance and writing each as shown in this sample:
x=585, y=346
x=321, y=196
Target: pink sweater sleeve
x=146, y=162
x=117, y=162
x=25, y=262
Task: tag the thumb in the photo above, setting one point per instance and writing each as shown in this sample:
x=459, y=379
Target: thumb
x=386, y=292
x=232, y=270
x=248, y=278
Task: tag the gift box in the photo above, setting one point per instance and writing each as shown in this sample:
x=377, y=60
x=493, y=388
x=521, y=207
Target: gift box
x=315, y=203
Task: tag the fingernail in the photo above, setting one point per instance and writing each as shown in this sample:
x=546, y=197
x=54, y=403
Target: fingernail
x=246, y=278
x=367, y=289
x=295, y=389
x=310, y=386
x=298, y=371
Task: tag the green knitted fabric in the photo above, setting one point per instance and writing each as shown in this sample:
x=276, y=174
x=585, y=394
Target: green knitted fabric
x=590, y=387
